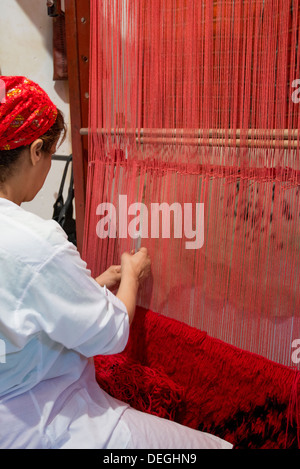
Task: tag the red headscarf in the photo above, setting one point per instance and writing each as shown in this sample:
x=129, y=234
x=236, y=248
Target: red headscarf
x=26, y=112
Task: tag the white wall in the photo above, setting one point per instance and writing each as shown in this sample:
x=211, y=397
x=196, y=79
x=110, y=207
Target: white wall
x=26, y=49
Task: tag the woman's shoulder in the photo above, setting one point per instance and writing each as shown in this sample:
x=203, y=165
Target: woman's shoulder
x=29, y=236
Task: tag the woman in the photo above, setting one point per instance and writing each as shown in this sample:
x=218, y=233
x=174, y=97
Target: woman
x=53, y=316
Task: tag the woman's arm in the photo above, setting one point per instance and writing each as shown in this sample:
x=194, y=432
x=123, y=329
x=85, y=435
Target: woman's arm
x=134, y=269
x=127, y=293
x=110, y=278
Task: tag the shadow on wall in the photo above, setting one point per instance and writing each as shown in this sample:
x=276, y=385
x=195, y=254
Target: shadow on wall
x=37, y=12
x=38, y=15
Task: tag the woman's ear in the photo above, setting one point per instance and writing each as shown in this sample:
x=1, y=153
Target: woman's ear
x=36, y=151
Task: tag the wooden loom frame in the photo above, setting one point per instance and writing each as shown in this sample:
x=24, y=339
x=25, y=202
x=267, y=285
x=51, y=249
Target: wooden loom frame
x=212, y=137
x=77, y=17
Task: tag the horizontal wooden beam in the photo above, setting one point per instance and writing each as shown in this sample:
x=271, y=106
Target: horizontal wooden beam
x=256, y=138
x=198, y=133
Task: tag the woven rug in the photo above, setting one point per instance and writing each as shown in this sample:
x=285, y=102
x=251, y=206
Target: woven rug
x=178, y=372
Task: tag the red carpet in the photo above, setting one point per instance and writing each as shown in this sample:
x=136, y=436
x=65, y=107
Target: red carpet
x=178, y=372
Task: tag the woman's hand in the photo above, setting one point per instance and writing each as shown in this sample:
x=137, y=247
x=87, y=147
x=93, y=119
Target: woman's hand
x=111, y=277
x=135, y=268
x=136, y=265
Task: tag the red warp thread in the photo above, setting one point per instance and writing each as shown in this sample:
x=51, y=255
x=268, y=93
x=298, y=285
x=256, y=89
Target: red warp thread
x=198, y=78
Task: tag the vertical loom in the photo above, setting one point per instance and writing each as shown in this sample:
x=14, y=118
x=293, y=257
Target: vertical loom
x=196, y=102
x=191, y=102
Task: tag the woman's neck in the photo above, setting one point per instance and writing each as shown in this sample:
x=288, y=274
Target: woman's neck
x=13, y=191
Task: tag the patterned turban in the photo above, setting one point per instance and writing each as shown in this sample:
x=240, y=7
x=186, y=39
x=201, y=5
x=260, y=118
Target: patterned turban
x=26, y=112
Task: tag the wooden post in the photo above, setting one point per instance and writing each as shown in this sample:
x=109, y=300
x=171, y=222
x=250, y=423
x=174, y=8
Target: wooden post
x=77, y=16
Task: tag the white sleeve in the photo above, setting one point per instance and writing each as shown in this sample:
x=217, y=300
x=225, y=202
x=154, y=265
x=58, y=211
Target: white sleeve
x=63, y=300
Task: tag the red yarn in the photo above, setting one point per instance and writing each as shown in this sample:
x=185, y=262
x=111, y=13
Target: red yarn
x=144, y=388
x=194, y=102
x=175, y=371
x=26, y=112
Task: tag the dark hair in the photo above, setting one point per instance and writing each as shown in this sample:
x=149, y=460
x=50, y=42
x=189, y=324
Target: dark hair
x=9, y=158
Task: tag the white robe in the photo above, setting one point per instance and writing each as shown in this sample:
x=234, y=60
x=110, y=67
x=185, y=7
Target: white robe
x=53, y=318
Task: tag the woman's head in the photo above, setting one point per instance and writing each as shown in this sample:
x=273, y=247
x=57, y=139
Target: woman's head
x=11, y=159
x=30, y=129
